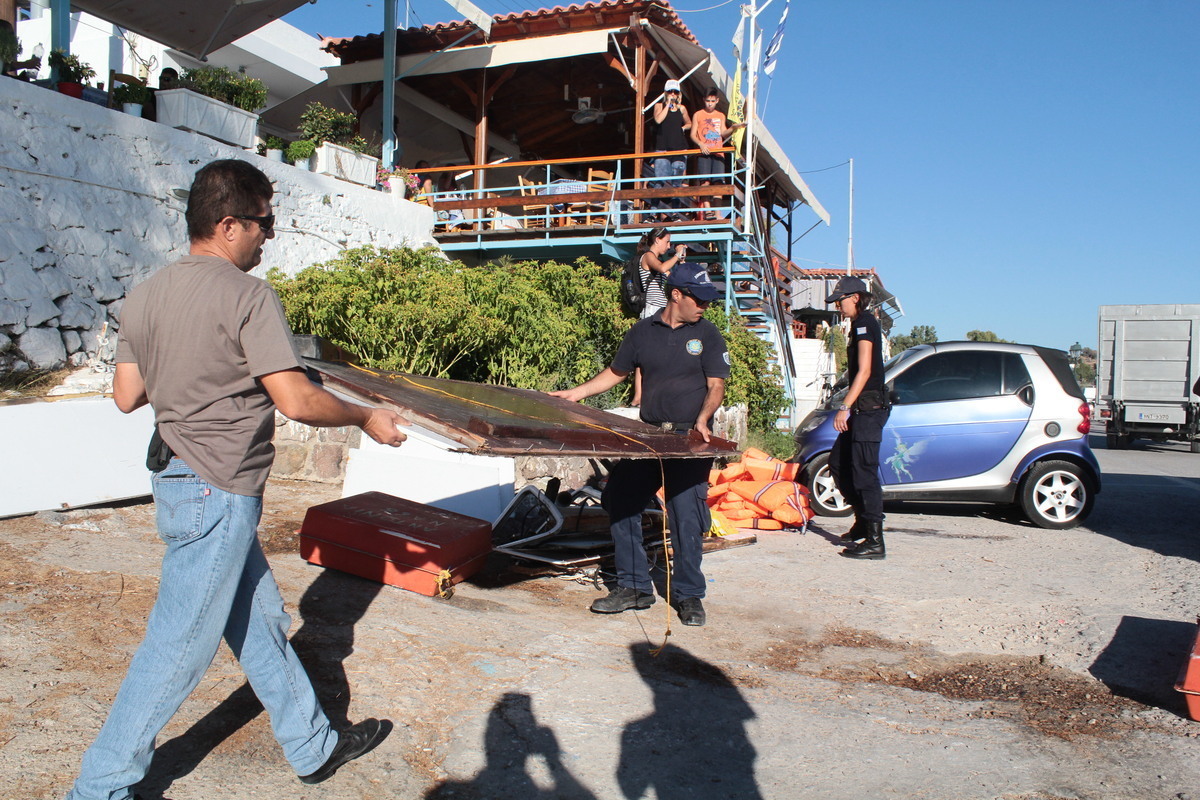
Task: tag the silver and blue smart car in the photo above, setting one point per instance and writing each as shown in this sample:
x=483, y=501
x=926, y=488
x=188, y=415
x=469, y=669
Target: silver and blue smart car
x=972, y=421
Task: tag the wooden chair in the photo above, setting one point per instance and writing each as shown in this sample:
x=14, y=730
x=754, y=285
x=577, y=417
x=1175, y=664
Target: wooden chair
x=537, y=213
x=115, y=78
x=598, y=180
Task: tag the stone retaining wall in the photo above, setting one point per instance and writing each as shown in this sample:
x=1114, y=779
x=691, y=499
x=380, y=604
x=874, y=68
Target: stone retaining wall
x=89, y=207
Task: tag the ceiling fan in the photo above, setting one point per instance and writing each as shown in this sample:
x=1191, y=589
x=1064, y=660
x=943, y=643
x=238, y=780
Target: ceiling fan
x=585, y=113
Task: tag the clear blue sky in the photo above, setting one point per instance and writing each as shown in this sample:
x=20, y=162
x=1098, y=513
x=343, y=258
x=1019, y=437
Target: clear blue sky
x=1017, y=164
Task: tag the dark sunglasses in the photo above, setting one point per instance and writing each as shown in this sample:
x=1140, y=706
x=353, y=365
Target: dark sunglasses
x=267, y=223
x=697, y=300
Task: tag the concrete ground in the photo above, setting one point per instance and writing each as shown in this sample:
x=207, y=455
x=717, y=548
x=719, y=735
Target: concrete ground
x=984, y=658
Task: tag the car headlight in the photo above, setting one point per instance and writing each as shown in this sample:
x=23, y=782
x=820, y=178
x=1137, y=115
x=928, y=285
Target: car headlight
x=811, y=422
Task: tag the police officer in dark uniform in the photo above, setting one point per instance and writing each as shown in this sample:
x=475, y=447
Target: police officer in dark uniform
x=854, y=460
x=684, y=365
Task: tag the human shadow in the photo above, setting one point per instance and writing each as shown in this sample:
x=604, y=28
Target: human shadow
x=514, y=738
x=1142, y=661
x=694, y=703
x=329, y=608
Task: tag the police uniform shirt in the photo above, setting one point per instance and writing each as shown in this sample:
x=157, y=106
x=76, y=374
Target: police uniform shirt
x=865, y=326
x=676, y=364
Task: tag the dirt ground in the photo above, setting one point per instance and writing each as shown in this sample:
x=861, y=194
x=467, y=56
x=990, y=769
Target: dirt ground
x=984, y=658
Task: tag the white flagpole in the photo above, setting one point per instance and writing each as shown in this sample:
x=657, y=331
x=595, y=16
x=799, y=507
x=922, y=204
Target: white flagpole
x=850, y=217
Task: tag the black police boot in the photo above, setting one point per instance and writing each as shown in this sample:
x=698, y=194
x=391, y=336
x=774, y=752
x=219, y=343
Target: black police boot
x=872, y=548
x=856, y=533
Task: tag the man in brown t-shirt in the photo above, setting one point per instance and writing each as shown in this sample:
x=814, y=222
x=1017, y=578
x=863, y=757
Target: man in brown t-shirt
x=208, y=347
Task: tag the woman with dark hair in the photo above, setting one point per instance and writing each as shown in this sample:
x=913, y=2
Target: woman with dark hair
x=654, y=265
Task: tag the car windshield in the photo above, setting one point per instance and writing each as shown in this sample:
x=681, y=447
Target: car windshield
x=843, y=384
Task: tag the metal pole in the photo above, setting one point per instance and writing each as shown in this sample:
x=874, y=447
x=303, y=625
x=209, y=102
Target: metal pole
x=850, y=235
x=60, y=28
x=389, y=83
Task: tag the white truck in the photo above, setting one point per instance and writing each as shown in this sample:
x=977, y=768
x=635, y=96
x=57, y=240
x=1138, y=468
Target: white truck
x=1147, y=373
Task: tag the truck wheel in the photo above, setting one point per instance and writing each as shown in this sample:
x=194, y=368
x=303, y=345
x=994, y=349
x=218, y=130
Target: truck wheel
x=1196, y=445
x=1110, y=441
x=823, y=492
x=1056, y=495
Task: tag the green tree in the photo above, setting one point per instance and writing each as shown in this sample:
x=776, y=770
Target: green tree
x=754, y=378
x=1085, y=373
x=920, y=334
x=983, y=336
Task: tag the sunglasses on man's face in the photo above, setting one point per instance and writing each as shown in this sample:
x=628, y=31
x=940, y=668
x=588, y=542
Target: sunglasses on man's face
x=267, y=223
x=697, y=300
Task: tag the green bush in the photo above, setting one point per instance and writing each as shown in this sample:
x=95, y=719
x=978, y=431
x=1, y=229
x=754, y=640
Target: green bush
x=527, y=324
x=69, y=68
x=300, y=150
x=130, y=93
x=754, y=379
x=220, y=83
x=320, y=123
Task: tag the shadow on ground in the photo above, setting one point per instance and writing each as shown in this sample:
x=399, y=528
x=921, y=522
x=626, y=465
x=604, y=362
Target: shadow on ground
x=657, y=754
x=1143, y=660
x=330, y=608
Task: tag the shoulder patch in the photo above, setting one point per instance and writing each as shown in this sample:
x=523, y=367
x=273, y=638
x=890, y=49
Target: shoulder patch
x=860, y=331
x=725, y=355
x=695, y=347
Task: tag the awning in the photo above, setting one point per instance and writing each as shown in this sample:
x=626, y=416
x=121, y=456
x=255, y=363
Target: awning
x=483, y=56
x=195, y=28
x=771, y=158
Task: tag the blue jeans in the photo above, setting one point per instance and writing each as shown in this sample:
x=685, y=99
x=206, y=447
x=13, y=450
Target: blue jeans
x=215, y=582
x=631, y=485
x=669, y=172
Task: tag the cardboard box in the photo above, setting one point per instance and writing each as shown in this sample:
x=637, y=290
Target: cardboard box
x=396, y=541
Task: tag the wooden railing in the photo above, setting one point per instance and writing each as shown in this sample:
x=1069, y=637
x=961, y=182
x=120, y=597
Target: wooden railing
x=626, y=199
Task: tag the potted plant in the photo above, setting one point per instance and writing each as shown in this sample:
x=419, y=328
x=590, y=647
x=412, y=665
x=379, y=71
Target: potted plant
x=300, y=153
x=131, y=97
x=216, y=102
x=340, y=151
x=398, y=181
x=272, y=147
x=71, y=72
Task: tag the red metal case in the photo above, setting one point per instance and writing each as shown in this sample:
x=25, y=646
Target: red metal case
x=395, y=541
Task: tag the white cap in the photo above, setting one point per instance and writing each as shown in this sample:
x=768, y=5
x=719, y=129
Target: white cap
x=672, y=86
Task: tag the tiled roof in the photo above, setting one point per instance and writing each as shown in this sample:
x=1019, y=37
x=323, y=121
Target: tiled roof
x=525, y=24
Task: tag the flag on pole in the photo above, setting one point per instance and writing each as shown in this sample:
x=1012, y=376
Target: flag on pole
x=738, y=36
x=736, y=103
x=776, y=41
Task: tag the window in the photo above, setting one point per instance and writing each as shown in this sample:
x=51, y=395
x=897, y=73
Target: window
x=961, y=375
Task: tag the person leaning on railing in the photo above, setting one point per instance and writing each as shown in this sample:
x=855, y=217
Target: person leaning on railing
x=709, y=132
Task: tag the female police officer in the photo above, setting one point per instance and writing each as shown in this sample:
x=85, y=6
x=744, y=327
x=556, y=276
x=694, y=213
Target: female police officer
x=854, y=460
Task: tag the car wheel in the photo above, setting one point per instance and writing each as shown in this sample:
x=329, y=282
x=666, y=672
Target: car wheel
x=824, y=496
x=1056, y=495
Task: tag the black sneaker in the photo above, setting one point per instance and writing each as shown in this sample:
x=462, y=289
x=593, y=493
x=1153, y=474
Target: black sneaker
x=353, y=742
x=691, y=611
x=621, y=599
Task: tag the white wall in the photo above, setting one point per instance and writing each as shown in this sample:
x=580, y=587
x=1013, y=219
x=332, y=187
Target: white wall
x=87, y=211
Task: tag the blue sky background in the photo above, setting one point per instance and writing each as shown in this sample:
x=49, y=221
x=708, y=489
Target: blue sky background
x=1017, y=164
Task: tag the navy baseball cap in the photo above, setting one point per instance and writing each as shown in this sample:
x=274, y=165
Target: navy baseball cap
x=847, y=286
x=693, y=279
